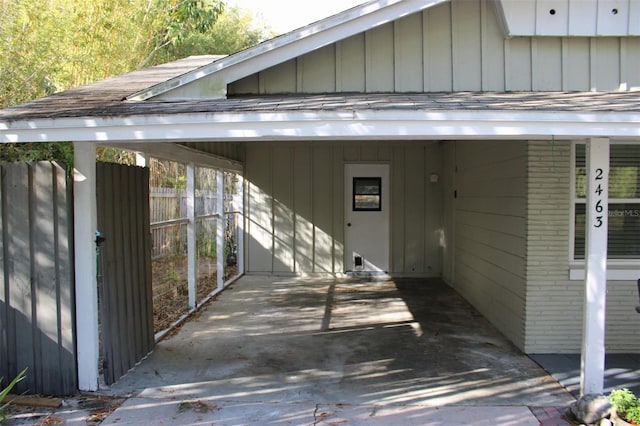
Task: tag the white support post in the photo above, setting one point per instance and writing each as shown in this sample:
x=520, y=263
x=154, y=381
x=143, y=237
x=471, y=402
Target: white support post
x=192, y=261
x=86, y=292
x=240, y=236
x=222, y=220
x=597, y=206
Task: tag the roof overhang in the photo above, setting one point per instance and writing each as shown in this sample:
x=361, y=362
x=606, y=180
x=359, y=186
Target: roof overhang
x=326, y=125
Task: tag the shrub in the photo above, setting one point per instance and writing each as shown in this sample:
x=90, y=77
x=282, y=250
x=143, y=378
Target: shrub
x=626, y=404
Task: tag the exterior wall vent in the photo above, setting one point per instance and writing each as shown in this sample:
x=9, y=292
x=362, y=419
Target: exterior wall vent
x=586, y=18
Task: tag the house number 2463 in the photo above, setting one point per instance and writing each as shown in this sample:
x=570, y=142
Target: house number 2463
x=598, y=192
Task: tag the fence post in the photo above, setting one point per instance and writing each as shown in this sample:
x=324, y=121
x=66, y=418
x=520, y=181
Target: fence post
x=85, y=226
x=220, y=228
x=191, y=234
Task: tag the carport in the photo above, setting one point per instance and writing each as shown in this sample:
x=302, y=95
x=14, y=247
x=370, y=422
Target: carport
x=469, y=145
x=285, y=349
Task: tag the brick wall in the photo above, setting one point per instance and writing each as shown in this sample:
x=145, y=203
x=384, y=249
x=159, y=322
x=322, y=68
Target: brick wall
x=554, y=303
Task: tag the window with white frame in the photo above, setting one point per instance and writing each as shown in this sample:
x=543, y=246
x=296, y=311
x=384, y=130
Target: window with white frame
x=624, y=202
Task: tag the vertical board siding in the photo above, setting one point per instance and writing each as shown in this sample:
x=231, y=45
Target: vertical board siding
x=302, y=208
x=490, y=233
x=466, y=51
x=317, y=71
x=323, y=190
x=437, y=55
x=379, y=58
x=555, y=303
x=454, y=46
x=37, y=321
x=283, y=235
x=260, y=211
x=350, y=60
x=125, y=267
x=295, y=204
x=408, y=50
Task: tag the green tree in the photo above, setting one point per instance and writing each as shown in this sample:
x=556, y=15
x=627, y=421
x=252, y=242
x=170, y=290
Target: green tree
x=234, y=30
x=55, y=45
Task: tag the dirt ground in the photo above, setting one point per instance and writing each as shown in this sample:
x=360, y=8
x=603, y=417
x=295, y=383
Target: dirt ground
x=170, y=291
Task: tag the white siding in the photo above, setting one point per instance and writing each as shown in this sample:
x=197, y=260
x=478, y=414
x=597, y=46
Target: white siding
x=490, y=228
x=554, y=303
x=454, y=46
x=295, y=205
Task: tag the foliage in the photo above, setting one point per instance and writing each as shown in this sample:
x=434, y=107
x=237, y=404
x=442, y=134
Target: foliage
x=626, y=404
x=112, y=155
x=233, y=31
x=167, y=174
x=37, y=151
x=58, y=44
x=4, y=392
x=55, y=45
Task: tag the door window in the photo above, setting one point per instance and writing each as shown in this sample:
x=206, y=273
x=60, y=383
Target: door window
x=367, y=194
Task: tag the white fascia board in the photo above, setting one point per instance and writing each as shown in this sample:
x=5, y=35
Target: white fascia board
x=311, y=125
x=175, y=152
x=294, y=44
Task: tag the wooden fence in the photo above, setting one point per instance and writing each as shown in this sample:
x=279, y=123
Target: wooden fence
x=37, y=324
x=169, y=219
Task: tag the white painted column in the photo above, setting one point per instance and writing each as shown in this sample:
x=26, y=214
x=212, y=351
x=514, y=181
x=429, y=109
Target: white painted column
x=221, y=222
x=85, y=226
x=593, y=334
x=240, y=236
x=192, y=261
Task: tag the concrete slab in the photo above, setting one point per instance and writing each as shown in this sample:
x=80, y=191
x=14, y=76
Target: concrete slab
x=143, y=411
x=418, y=415
x=621, y=371
x=308, y=343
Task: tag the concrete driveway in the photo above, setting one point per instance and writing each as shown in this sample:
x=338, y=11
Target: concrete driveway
x=304, y=351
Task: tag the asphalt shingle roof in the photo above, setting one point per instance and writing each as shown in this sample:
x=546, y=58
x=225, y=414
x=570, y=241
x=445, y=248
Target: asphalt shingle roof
x=91, y=101
x=107, y=99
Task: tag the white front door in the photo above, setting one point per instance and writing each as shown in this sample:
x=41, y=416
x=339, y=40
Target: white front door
x=367, y=215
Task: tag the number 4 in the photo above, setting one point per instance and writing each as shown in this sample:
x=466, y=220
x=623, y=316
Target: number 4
x=599, y=190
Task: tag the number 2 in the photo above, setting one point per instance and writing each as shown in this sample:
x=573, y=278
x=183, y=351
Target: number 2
x=599, y=174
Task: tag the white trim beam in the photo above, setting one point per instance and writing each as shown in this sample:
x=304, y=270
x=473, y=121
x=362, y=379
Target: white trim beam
x=182, y=154
x=327, y=125
x=593, y=334
x=85, y=226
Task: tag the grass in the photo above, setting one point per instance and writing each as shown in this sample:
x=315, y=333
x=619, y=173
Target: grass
x=4, y=392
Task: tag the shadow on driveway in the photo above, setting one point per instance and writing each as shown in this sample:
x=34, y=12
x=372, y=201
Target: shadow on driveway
x=343, y=343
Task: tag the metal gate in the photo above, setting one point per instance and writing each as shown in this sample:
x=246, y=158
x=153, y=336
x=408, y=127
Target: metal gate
x=124, y=267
